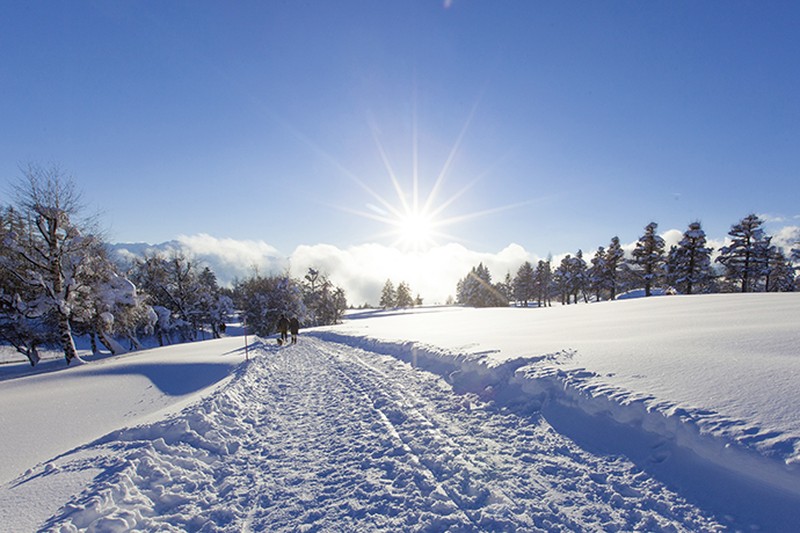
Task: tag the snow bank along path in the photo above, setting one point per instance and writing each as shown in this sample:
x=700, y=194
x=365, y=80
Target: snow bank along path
x=322, y=436
x=716, y=374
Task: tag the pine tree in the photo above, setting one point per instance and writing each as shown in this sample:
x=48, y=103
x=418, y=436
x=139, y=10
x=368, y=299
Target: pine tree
x=403, y=295
x=596, y=273
x=562, y=277
x=614, y=259
x=543, y=282
x=477, y=290
x=523, y=286
x=388, y=295
x=689, y=263
x=648, y=258
x=779, y=273
x=744, y=259
x=579, y=272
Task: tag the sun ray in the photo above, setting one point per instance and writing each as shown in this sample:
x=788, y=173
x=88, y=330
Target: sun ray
x=451, y=156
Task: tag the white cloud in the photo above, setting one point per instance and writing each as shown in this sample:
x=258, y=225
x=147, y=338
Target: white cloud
x=362, y=270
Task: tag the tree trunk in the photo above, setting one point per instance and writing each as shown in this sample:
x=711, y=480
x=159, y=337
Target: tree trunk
x=65, y=334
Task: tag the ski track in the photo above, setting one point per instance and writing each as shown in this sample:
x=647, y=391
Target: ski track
x=320, y=436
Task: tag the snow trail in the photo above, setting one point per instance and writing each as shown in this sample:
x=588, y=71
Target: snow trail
x=322, y=436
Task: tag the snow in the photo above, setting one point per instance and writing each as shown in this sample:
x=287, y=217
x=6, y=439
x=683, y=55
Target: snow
x=666, y=413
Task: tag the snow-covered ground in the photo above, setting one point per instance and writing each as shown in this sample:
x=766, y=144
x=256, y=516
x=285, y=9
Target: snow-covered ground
x=668, y=413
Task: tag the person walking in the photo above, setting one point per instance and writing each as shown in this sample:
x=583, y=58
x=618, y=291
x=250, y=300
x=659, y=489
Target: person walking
x=294, y=327
x=283, y=328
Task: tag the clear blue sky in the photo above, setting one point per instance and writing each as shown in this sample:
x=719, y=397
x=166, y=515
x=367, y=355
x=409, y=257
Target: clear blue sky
x=266, y=120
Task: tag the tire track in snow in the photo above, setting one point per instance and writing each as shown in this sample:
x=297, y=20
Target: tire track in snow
x=321, y=436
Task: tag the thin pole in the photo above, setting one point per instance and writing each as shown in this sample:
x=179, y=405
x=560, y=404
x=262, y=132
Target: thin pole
x=246, y=354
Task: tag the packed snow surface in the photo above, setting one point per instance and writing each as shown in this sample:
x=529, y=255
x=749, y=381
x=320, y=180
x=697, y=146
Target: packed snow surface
x=659, y=414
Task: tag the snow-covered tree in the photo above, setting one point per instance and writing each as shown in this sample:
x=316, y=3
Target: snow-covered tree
x=745, y=257
x=187, y=299
x=778, y=271
x=579, y=277
x=648, y=258
x=689, y=263
x=262, y=300
x=614, y=260
x=21, y=325
x=106, y=305
x=48, y=257
x=388, y=295
x=325, y=302
x=596, y=273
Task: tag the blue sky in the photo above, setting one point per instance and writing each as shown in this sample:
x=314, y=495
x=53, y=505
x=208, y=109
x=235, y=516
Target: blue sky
x=562, y=123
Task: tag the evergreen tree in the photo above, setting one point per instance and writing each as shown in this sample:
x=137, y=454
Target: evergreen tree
x=745, y=258
x=779, y=273
x=325, y=303
x=477, y=290
x=689, y=263
x=403, y=295
x=596, y=273
x=579, y=275
x=543, y=282
x=523, y=286
x=388, y=295
x=562, y=278
x=614, y=260
x=648, y=258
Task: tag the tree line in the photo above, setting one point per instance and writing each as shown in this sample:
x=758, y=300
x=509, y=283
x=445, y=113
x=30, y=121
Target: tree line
x=401, y=296
x=58, y=281
x=750, y=263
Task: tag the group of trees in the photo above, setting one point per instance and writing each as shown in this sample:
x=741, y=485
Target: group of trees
x=750, y=263
x=185, y=300
x=54, y=275
x=314, y=301
x=58, y=281
x=397, y=297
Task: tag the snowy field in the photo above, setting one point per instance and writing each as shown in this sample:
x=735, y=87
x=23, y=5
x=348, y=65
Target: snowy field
x=659, y=414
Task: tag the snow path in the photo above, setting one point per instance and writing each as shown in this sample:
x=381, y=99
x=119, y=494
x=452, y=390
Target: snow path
x=321, y=436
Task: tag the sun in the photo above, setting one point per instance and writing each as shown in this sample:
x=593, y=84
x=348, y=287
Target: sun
x=415, y=218
x=416, y=230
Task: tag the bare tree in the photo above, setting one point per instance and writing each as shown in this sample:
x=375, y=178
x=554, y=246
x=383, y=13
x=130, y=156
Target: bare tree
x=50, y=255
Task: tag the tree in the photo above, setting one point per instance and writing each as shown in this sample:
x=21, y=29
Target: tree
x=477, y=290
x=186, y=299
x=325, y=302
x=561, y=277
x=596, y=273
x=744, y=259
x=262, y=300
x=523, y=284
x=48, y=258
x=388, y=295
x=579, y=276
x=403, y=295
x=542, y=282
x=613, y=261
x=779, y=272
x=689, y=263
x=22, y=325
x=648, y=257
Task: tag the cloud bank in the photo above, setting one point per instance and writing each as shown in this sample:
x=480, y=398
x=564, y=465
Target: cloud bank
x=362, y=270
